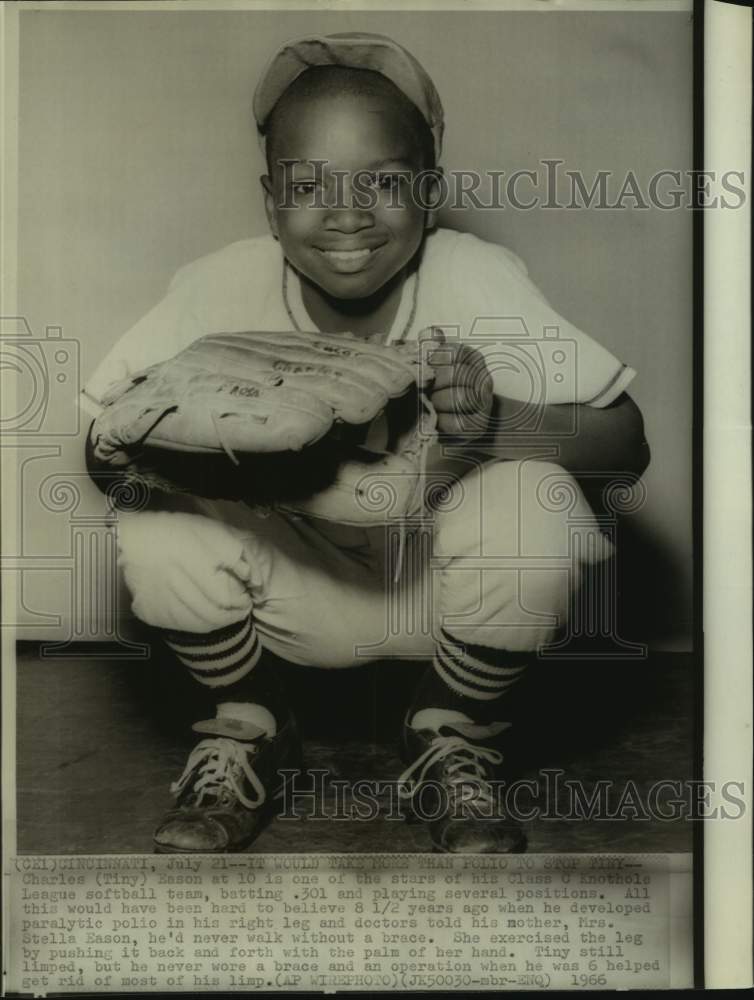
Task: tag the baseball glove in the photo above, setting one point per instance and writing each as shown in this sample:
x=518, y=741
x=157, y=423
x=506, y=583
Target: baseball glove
x=269, y=418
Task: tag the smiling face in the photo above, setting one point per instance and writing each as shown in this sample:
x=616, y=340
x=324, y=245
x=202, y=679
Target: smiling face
x=339, y=194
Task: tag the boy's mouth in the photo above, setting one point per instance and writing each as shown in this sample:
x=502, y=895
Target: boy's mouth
x=347, y=261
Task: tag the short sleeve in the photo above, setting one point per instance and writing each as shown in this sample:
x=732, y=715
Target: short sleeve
x=533, y=353
x=235, y=288
x=165, y=330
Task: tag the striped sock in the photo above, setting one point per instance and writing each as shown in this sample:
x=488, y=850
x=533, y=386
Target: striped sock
x=221, y=658
x=476, y=672
x=468, y=678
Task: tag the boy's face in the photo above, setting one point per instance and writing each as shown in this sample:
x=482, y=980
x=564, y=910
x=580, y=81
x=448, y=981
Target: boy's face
x=344, y=216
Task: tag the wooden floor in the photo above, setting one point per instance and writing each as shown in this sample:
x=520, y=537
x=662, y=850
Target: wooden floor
x=100, y=740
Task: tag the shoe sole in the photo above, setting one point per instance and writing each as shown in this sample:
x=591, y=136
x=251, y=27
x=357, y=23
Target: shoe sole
x=265, y=809
x=518, y=849
x=412, y=818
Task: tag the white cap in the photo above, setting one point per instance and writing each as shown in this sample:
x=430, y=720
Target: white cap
x=358, y=50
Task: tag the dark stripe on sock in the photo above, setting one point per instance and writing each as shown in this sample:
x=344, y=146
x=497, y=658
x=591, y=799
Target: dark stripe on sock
x=202, y=675
x=206, y=638
x=217, y=654
x=462, y=680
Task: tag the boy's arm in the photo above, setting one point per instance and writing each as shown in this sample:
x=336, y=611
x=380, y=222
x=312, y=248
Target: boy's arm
x=577, y=436
x=587, y=439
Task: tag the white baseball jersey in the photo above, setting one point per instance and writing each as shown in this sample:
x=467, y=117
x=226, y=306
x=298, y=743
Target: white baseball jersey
x=320, y=587
x=472, y=289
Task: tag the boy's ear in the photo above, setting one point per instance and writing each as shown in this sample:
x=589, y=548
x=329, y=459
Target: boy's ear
x=432, y=196
x=269, y=203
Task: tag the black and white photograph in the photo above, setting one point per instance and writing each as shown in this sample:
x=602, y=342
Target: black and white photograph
x=356, y=446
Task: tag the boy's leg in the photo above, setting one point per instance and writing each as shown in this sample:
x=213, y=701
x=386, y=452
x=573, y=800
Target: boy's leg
x=504, y=576
x=190, y=579
x=227, y=590
x=231, y=779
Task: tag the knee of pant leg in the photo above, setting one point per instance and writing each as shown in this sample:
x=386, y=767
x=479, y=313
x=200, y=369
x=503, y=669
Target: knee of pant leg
x=542, y=505
x=556, y=516
x=546, y=483
x=475, y=509
x=518, y=509
x=506, y=508
x=528, y=526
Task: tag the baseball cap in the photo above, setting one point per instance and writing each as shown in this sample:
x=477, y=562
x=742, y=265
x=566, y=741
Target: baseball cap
x=357, y=50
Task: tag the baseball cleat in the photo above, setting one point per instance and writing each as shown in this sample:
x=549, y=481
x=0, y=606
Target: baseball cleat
x=226, y=794
x=452, y=784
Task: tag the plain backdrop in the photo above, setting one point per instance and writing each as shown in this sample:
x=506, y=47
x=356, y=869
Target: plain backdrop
x=137, y=154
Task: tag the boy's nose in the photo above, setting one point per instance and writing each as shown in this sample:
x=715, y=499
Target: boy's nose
x=348, y=212
x=349, y=219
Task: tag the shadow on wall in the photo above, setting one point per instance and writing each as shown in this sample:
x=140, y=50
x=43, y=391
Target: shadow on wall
x=652, y=603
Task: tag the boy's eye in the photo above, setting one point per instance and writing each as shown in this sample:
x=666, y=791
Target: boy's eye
x=387, y=181
x=303, y=187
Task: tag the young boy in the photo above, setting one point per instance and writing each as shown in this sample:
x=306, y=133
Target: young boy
x=348, y=122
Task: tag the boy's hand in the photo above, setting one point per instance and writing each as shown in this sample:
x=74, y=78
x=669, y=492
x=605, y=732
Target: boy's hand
x=462, y=392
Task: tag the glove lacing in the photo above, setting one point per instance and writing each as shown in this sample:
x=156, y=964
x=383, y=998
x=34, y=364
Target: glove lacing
x=219, y=764
x=223, y=444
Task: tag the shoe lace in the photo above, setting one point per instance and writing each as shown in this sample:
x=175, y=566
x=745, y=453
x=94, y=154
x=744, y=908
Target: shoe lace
x=214, y=768
x=467, y=768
